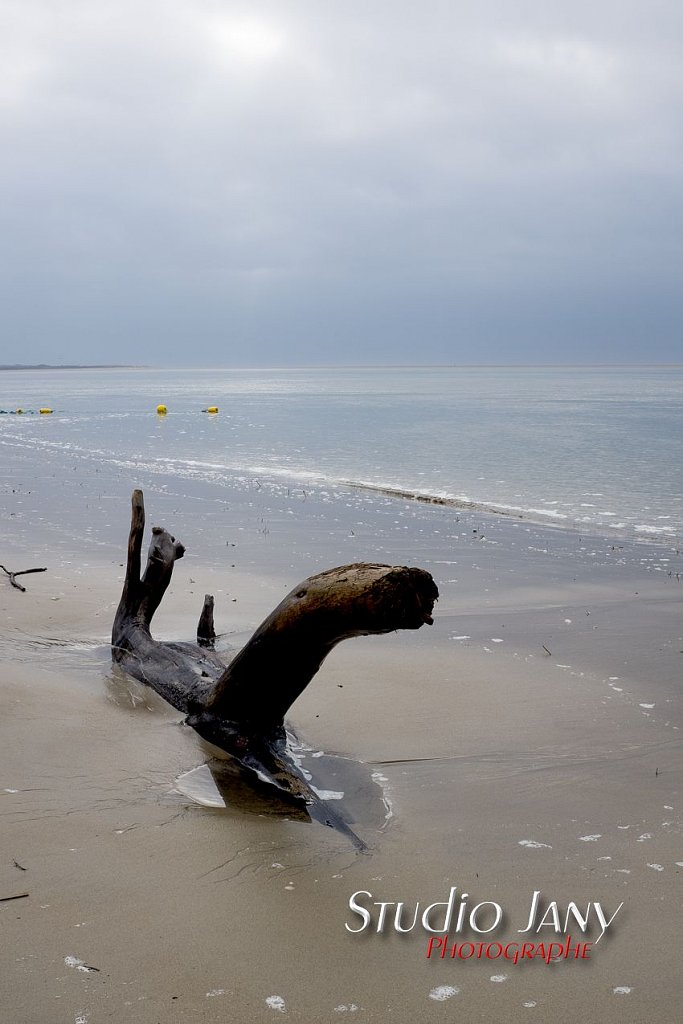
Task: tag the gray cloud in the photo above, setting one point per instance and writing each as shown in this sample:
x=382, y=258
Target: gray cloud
x=324, y=181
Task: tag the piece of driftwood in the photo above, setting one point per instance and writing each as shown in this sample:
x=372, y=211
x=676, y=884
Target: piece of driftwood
x=240, y=707
x=21, y=572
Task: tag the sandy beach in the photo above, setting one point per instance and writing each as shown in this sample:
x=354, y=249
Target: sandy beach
x=529, y=741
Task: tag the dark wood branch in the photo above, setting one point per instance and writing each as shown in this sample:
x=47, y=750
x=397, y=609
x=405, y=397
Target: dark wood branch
x=141, y=597
x=263, y=681
x=132, y=578
x=20, y=572
x=241, y=707
x=206, y=634
x=180, y=672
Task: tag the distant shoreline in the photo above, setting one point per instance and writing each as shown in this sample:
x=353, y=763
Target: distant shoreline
x=344, y=366
x=70, y=366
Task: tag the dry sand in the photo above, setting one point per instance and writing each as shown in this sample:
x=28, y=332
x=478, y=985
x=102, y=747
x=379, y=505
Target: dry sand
x=530, y=740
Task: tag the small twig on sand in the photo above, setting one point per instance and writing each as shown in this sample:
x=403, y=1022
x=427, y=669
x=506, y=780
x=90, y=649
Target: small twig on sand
x=19, y=896
x=546, y=650
x=20, y=866
x=21, y=572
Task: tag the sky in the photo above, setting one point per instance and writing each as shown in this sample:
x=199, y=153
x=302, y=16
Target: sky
x=195, y=182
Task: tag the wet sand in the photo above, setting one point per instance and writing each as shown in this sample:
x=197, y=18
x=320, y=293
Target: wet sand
x=529, y=741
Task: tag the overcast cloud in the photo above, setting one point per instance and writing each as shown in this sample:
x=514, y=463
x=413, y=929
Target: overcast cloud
x=322, y=181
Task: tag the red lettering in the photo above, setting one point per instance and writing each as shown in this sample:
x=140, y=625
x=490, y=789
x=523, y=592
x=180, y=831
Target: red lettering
x=555, y=950
x=438, y=942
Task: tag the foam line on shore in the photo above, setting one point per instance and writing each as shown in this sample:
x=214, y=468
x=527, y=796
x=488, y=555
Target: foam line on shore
x=634, y=525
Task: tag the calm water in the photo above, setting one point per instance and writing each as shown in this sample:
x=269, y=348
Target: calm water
x=591, y=448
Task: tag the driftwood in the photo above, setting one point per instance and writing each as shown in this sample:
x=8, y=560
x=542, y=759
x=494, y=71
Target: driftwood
x=21, y=572
x=240, y=707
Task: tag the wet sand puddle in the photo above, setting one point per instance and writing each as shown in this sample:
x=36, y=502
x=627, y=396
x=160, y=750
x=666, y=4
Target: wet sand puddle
x=352, y=796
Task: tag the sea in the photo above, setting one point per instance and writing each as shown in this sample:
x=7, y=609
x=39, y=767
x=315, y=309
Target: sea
x=593, y=449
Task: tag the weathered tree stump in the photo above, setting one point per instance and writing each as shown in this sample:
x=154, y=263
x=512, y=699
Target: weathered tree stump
x=240, y=707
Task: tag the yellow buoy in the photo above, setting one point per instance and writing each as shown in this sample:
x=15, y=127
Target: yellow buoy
x=212, y=408
x=162, y=410
x=44, y=412
x=19, y=412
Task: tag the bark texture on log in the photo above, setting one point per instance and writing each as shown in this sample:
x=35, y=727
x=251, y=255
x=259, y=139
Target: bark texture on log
x=180, y=672
x=265, y=678
x=241, y=707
